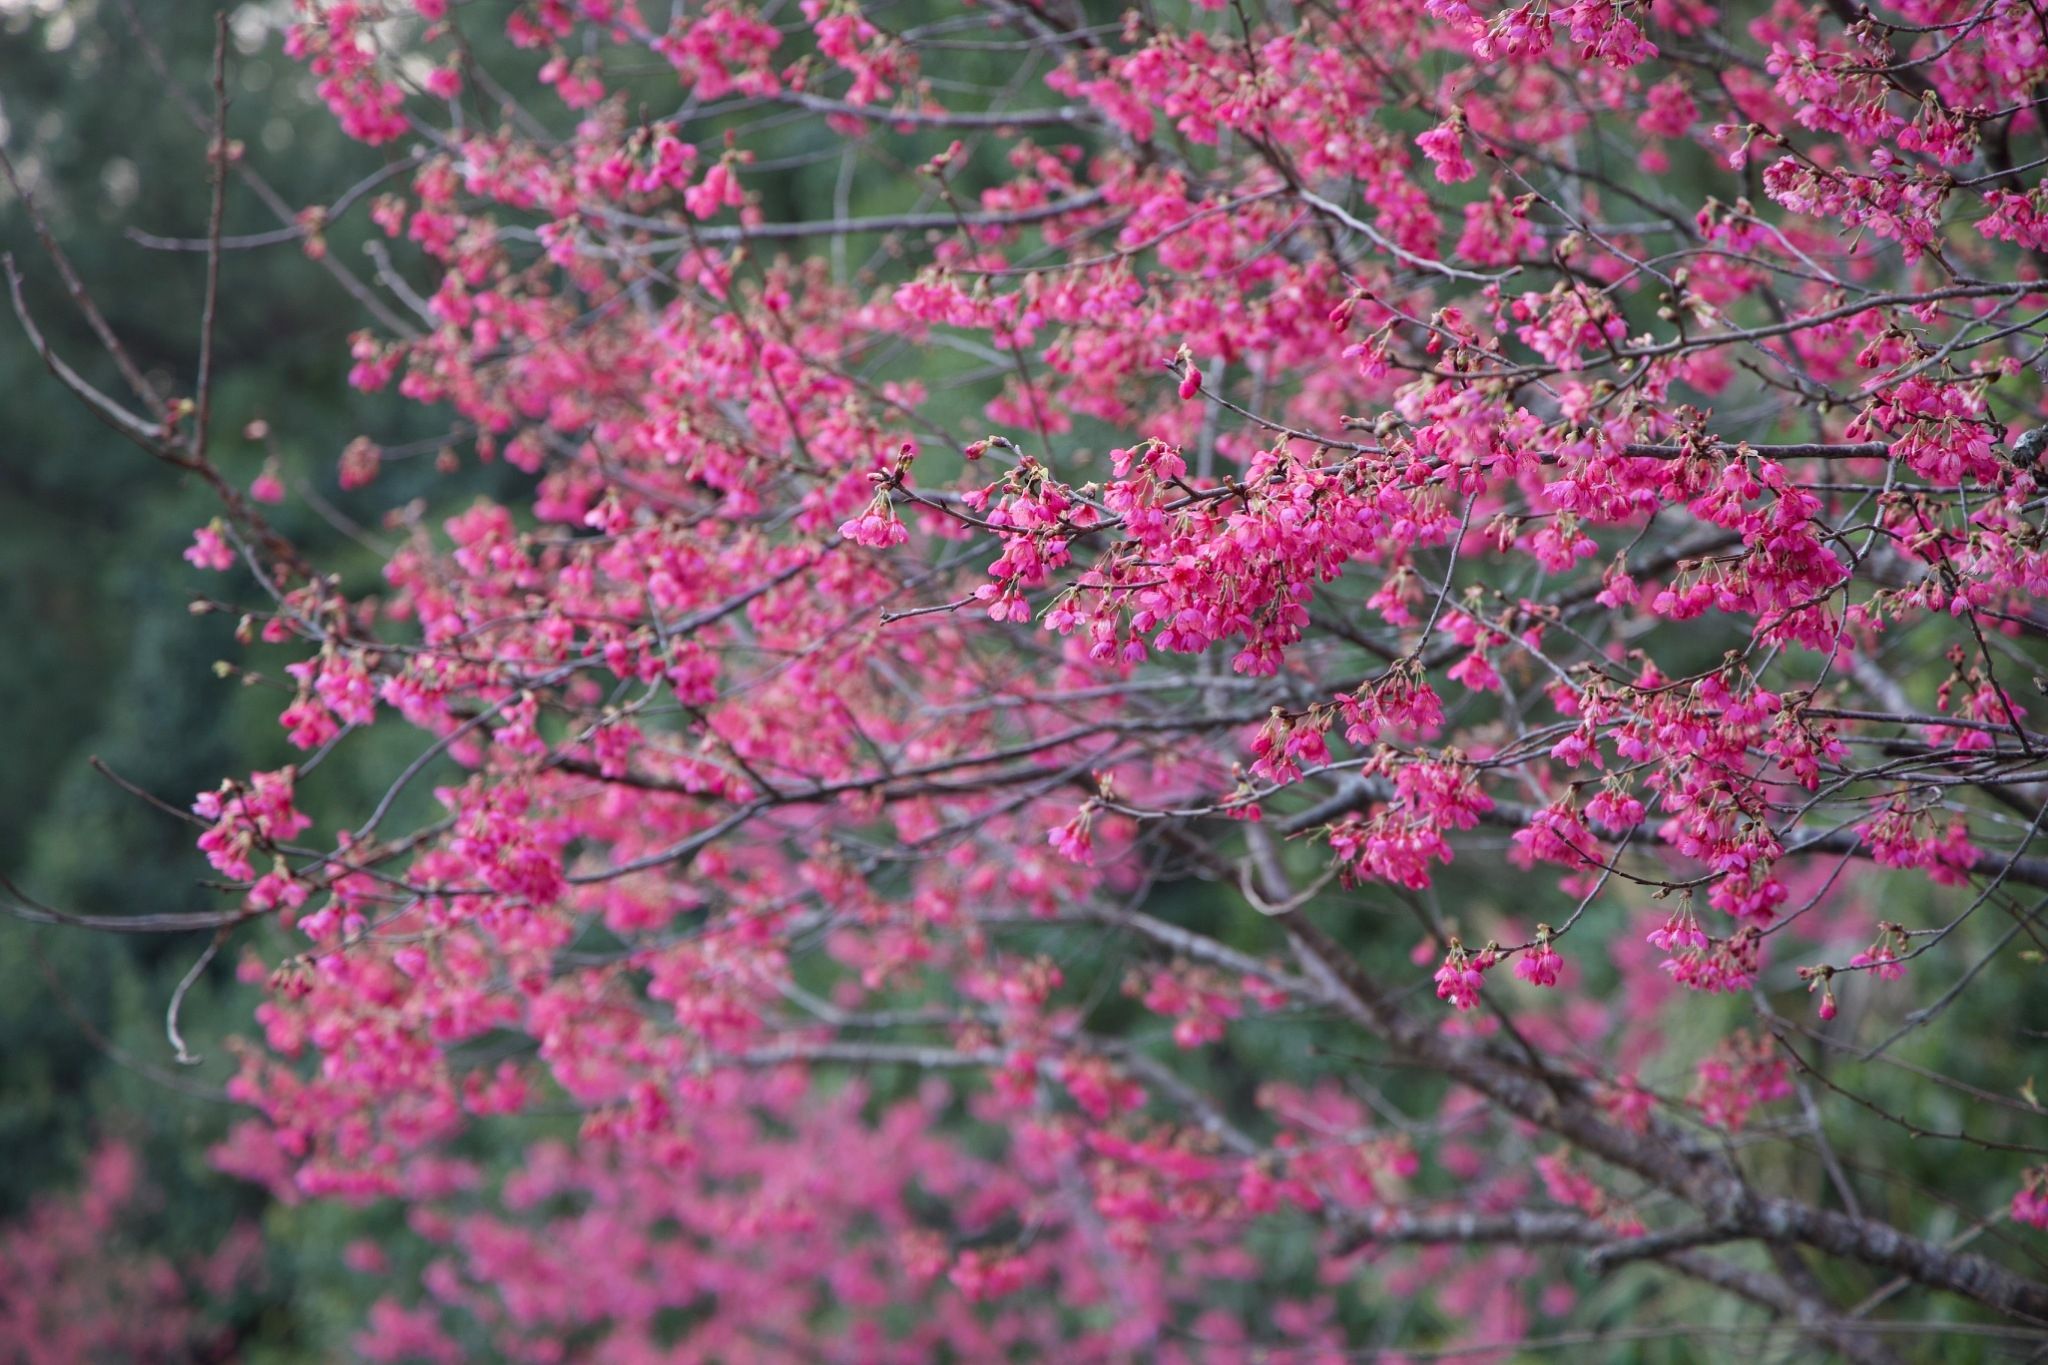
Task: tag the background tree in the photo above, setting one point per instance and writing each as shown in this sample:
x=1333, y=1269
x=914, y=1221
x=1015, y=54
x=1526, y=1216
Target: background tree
x=920, y=758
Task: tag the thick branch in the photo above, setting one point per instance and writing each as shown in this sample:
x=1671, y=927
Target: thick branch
x=1662, y=1154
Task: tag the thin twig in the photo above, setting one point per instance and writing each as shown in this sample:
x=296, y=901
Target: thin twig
x=210, y=310
x=171, y=1030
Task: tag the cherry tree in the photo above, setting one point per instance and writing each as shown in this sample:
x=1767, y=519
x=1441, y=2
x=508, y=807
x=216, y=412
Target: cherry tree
x=77, y=1282
x=1341, y=675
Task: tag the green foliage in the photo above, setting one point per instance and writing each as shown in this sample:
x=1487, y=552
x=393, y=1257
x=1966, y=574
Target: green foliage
x=103, y=659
